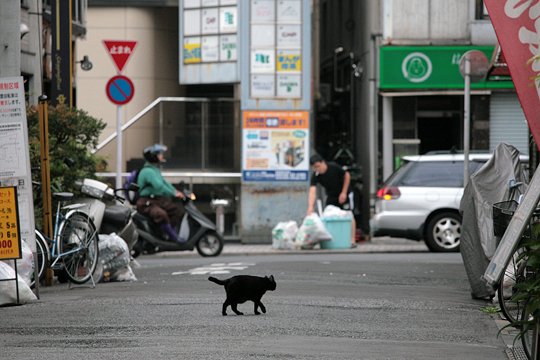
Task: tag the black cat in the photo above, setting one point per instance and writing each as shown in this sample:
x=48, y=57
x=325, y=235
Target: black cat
x=242, y=288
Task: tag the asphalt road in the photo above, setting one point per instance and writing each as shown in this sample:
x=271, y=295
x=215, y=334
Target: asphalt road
x=326, y=306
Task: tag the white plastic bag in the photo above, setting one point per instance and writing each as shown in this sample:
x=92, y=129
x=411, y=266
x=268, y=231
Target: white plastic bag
x=25, y=265
x=8, y=288
x=311, y=232
x=332, y=211
x=284, y=234
x=114, y=259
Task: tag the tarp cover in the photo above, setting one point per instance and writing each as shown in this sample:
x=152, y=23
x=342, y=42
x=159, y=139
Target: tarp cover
x=489, y=185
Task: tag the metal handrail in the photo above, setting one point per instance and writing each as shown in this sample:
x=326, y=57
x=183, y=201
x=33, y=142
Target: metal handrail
x=144, y=111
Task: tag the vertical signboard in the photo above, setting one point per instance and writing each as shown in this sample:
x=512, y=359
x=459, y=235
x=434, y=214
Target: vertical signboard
x=275, y=146
x=276, y=105
x=208, y=41
x=276, y=44
x=14, y=154
x=516, y=26
x=61, y=53
x=276, y=48
x=10, y=240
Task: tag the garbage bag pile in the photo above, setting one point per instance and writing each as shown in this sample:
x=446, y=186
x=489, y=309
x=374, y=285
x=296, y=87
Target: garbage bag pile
x=8, y=288
x=287, y=235
x=114, y=260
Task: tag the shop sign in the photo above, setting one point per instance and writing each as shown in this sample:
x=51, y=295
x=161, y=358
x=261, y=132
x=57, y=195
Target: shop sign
x=275, y=146
x=429, y=67
x=228, y=48
x=263, y=86
x=263, y=61
x=210, y=48
x=289, y=86
x=289, y=60
x=210, y=21
x=192, y=50
x=228, y=20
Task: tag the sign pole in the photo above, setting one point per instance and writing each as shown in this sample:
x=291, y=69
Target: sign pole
x=118, y=147
x=466, y=121
x=473, y=66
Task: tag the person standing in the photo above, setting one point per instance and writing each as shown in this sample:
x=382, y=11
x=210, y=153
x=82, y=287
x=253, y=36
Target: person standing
x=335, y=181
x=157, y=194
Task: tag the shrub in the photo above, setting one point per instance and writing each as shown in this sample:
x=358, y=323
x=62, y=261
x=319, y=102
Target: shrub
x=72, y=135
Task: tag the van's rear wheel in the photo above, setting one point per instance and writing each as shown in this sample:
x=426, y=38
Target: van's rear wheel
x=443, y=232
x=210, y=244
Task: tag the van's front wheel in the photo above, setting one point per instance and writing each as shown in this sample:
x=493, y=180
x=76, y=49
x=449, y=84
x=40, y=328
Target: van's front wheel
x=443, y=232
x=210, y=244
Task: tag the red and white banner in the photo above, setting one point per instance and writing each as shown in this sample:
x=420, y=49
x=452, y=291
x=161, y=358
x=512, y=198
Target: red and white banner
x=517, y=25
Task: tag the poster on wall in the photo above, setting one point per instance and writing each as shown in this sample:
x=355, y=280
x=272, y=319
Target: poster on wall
x=275, y=146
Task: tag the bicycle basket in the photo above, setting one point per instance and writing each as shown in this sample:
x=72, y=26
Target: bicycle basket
x=502, y=214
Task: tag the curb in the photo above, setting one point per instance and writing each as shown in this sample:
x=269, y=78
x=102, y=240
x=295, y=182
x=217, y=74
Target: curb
x=376, y=245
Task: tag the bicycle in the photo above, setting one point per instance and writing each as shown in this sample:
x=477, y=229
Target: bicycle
x=513, y=301
x=513, y=273
x=73, y=246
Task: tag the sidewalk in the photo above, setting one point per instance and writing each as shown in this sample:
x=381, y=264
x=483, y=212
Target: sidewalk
x=376, y=245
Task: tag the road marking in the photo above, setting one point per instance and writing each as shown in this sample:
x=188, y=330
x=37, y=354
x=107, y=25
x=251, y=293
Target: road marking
x=215, y=269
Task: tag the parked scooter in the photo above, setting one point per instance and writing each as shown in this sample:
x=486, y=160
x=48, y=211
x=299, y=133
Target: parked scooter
x=108, y=212
x=201, y=233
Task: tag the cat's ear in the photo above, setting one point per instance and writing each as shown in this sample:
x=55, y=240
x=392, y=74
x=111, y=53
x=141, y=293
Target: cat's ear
x=272, y=278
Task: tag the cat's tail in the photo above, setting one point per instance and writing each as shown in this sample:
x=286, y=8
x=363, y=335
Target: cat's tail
x=217, y=281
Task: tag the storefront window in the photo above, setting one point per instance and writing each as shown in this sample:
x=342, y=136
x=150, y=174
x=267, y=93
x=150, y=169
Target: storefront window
x=200, y=136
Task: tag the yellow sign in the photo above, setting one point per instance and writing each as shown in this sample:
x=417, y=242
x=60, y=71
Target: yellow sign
x=192, y=53
x=289, y=62
x=10, y=239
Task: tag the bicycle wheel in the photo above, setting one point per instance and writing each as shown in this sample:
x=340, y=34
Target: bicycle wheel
x=527, y=331
x=42, y=258
x=78, y=247
x=507, y=289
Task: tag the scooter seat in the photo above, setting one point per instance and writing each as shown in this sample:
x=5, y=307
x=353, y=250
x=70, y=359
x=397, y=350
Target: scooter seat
x=117, y=215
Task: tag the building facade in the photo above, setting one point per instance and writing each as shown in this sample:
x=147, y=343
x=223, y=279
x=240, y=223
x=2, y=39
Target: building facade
x=384, y=75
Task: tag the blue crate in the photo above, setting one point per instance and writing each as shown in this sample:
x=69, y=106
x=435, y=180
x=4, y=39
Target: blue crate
x=340, y=228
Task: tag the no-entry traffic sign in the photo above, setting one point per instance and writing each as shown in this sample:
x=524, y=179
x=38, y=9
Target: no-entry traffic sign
x=120, y=89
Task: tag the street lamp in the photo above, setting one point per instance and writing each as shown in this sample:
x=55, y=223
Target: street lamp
x=86, y=64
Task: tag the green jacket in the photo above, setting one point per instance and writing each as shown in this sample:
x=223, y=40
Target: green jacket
x=151, y=182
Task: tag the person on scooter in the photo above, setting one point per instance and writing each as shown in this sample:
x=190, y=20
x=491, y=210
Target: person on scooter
x=156, y=195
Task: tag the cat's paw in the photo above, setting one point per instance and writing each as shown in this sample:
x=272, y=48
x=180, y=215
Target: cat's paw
x=224, y=314
x=257, y=313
